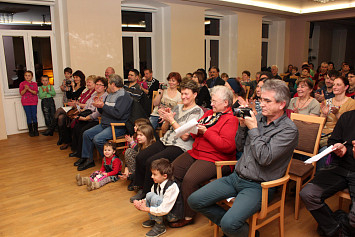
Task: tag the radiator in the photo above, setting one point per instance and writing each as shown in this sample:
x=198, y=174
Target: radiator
x=21, y=115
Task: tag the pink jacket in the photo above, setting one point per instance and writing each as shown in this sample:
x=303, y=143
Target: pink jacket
x=28, y=98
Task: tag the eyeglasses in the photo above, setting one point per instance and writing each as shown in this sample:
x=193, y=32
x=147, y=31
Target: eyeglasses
x=99, y=84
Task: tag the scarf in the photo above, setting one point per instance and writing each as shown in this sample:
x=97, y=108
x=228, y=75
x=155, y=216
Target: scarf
x=211, y=120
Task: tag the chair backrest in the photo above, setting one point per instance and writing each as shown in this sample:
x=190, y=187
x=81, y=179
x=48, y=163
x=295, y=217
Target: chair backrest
x=309, y=133
x=247, y=88
x=155, y=93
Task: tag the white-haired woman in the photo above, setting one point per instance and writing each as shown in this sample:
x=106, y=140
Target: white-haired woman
x=214, y=142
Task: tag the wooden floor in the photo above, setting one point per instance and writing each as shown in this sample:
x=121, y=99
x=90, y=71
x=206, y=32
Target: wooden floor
x=40, y=197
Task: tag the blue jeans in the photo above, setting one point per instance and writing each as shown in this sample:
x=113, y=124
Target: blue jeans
x=97, y=136
x=247, y=202
x=154, y=120
x=154, y=200
x=31, y=113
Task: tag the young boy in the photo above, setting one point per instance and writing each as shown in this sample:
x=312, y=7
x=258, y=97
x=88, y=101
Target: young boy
x=161, y=200
x=46, y=93
x=66, y=83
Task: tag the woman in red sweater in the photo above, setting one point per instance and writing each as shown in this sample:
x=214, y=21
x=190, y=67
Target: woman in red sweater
x=214, y=142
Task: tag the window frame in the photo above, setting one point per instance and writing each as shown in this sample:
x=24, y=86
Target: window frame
x=208, y=39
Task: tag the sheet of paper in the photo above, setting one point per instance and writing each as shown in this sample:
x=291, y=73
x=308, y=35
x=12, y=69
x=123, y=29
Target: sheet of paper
x=320, y=155
x=189, y=127
x=67, y=108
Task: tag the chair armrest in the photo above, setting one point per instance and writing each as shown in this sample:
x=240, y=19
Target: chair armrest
x=113, y=125
x=275, y=183
x=219, y=165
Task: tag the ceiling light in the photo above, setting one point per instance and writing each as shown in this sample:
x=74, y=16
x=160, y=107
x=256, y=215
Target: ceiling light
x=323, y=1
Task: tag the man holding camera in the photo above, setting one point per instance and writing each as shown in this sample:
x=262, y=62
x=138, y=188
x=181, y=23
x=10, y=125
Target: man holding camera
x=268, y=141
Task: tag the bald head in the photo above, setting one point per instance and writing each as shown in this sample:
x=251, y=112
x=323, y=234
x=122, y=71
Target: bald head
x=109, y=71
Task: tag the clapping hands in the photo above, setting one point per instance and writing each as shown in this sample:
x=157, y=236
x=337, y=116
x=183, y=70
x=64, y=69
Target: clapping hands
x=98, y=103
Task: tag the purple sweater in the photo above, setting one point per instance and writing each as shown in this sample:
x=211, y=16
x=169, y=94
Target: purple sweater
x=28, y=98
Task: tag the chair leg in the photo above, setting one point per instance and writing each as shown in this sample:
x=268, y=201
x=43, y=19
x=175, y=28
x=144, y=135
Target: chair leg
x=282, y=224
x=215, y=230
x=297, y=201
x=252, y=225
x=340, y=202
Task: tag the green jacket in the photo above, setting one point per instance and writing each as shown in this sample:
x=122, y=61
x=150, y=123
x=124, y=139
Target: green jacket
x=43, y=94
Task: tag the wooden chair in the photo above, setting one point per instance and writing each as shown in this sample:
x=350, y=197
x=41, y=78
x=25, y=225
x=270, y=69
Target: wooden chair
x=266, y=207
x=310, y=130
x=343, y=195
x=119, y=141
x=247, y=90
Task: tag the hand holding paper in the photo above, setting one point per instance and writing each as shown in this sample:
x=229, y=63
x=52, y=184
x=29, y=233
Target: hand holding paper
x=189, y=127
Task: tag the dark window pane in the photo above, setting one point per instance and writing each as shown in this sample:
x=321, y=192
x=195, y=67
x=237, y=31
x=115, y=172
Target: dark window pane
x=128, y=63
x=15, y=16
x=211, y=26
x=42, y=57
x=265, y=31
x=136, y=21
x=145, y=53
x=205, y=56
x=264, y=47
x=214, y=51
x=15, y=60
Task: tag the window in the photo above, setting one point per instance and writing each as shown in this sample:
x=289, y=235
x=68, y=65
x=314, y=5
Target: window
x=25, y=43
x=212, y=38
x=264, y=45
x=137, y=41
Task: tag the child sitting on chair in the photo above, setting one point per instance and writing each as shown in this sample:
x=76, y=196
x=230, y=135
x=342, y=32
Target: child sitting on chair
x=162, y=199
x=111, y=167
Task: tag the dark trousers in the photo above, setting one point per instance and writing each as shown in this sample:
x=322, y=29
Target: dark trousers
x=191, y=173
x=48, y=109
x=77, y=134
x=145, y=158
x=325, y=184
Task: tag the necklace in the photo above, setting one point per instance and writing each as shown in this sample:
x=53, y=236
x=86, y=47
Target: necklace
x=300, y=107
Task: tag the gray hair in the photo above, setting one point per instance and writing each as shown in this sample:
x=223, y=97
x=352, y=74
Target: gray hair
x=115, y=79
x=282, y=93
x=223, y=93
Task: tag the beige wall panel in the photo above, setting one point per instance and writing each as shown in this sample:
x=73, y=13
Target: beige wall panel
x=299, y=42
x=187, y=38
x=249, y=43
x=95, y=35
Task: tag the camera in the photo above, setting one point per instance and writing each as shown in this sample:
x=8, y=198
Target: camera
x=242, y=112
x=68, y=82
x=163, y=86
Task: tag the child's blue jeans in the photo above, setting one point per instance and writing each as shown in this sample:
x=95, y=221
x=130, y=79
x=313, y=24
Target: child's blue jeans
x=154, y=200
x=31, y=113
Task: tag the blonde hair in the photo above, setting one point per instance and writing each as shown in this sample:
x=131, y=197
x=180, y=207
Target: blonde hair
x=91, y=77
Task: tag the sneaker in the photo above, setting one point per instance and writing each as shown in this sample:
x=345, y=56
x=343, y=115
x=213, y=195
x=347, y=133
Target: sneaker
x=140, y=195
x=148, y=223
x=157, y=230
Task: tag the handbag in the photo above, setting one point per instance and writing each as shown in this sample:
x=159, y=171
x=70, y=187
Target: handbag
x=85, y=113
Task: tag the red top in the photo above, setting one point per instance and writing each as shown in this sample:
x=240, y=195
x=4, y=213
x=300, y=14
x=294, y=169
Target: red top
x=218, y=142
x=116, y=166
x=28, y=98
x=350, y=94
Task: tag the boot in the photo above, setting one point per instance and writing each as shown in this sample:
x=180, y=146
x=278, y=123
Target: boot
x=35, y=129
x=326, y=221
x=30, y=129
x=60, y=139
x=92, y=185
x=51, y=128
x=81, y=180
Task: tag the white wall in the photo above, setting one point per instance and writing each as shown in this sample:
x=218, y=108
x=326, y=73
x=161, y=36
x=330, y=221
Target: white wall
x=228, y=46
x=276, y=49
